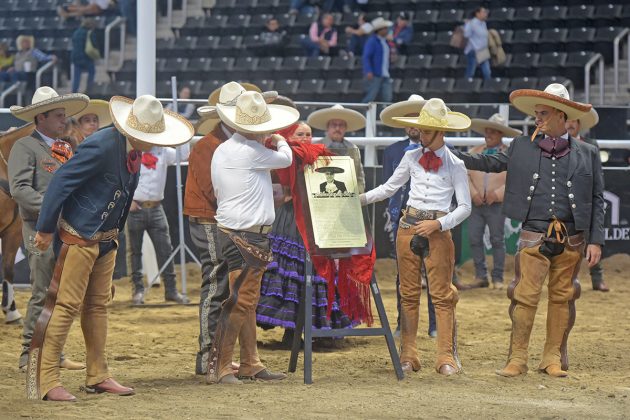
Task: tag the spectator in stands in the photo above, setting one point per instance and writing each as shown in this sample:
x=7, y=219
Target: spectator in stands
x=28, y=58
x=322, y=37
x=6, y=62
x=403, y=33
x=302, y=6
x=272, y=39
x=129, y=10
x=77, y=9
x=81, y=61
x=476, y=50
x=358, y=35
x=185, y=109
x=376, y=56
x=344, y=6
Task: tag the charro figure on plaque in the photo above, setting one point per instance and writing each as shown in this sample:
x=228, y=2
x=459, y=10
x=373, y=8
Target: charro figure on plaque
x=331, y=185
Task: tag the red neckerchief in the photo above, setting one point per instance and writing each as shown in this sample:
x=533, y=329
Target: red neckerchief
x=133, y=161
x=61, y=150
x=554, y=147
x=149, y=160
x=430, y=161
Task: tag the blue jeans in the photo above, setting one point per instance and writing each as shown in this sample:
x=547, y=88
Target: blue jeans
x=80, y=69
x=378, y=86
x=302, y=6
x=471, y=66
x=129, y=10
x=312, y=48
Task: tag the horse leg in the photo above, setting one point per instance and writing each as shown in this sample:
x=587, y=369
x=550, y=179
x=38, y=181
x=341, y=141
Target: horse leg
x=11, y=241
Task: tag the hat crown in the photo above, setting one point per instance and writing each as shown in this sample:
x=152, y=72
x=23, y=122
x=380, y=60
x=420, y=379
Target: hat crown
x=338, y=106
x=558, y=89
x=251, y=109
x=43, y=93
x=147, y=115
x=229, y=92
x=498, y=119
x=415, y=97
x=434, y=113
x=380, y=23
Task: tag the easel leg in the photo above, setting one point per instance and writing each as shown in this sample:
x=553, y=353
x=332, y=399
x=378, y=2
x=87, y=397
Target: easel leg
x=389, y=338
x=297, y=334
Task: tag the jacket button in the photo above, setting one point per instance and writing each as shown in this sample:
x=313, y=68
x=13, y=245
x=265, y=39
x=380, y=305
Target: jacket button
x=571, y=196
x=529, y=198
x=531, y=188
x=569, y=184
x=573, y=206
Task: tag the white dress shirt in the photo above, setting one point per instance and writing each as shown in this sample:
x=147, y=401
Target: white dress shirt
x=49, y=140
x=430, y=190
x=241, y=177
x=152, y=181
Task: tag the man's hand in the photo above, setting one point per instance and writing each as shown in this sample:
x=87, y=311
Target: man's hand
x=275, y=138
x=134, y=206
x=593, y=254
x=427, y=227
x=369, y=76
x=477, y=200
x=43, y=240
x=491, y=197
x=363, y=199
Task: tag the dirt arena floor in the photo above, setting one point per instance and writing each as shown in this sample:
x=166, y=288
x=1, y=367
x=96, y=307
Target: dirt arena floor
x=152, y=349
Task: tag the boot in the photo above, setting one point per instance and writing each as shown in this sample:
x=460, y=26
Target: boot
x=522, y=322
x=409, y=330
x=560, y=318
x=446, y=340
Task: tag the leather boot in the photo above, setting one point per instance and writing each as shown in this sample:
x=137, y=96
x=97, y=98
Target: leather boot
x=558, y=327
x=409, y=330
x=522, y=322
x=446, y=339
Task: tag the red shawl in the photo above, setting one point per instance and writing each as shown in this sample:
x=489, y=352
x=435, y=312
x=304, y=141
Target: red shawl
x=354, y=273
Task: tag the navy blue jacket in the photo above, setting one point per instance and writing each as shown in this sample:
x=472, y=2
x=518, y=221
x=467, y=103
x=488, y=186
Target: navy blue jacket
x=373, y=56
x=92, y=191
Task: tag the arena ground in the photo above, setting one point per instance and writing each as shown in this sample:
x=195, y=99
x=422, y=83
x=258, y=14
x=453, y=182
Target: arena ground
x=152, y=349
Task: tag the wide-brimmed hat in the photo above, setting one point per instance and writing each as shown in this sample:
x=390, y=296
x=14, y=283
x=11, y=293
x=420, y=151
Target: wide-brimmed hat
x=413, y=105
x=46, y=99
x=330, y=170
x=555, y=95
x=19, y=39
x=252, y=114
x=381, y=23
x=146, y=120
x=17, y=133
x=589, y=120
x=100, y=108
x=436, y=116
x=319, y=119
x=496, y=122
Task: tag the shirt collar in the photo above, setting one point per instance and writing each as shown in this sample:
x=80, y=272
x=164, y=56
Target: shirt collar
x=564, y=136
x=49, y=140
x=439, y=152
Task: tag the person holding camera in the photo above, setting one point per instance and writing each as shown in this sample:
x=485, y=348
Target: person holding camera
x=554, y=186
x=424, y=239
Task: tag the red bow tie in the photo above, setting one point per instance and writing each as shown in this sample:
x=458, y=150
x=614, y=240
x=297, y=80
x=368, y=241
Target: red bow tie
x=61, y=150
x=149, y=160
x=430, y=161
x=133, y=161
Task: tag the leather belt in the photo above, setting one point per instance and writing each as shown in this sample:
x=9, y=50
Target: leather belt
x=260, y=229
x=97, y=237
x=202, y=220
x=148, y=204
x=530, y=238
x=424, y=214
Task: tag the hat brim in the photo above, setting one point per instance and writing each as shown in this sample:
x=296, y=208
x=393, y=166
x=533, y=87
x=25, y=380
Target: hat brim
x=319, y=119
x=400, y=109
x=589, y=120
x=14, y=135
x=178, y=130
x=209, y=111
x=456, y=121
x=206, y=125
x=72, y=103
x=333, y=169
x=479, y=125
x=213, y=99
x=281, y=117
x=525, y=100
x=100, y=108
x=385, y=25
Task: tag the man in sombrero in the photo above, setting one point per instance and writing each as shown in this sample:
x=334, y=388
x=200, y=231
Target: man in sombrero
x=576, y=128
x=331, y=185
x=424, y=237
x=85, y=207
x=554, y=186
x=200, y=205
x=336, y=121
x=487, y=192
x=241, y=178
x=32, y=163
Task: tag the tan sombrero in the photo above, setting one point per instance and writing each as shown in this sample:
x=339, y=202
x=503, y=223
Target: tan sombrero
x=19, y=39
x=46, y=99
x=496, y=122
x=555, y=95
x=381, y=23
x=319, y=119
x=589, y=120
x=409, y=108
x=252, y=114
x=100, y=108
x=146, y=120
x=435, y=116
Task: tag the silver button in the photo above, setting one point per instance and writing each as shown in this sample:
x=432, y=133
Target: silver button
x=553, y=164
x=553, y=172
x=571, y=196
x=529, y=198
x=553, y=202
x=536, y=176
x=569, y=184
x=553, y=179
x=531, y=188
x=573, y=206
x=550, y=210
x=553, y=196
x=553, y=188
x=553, y=158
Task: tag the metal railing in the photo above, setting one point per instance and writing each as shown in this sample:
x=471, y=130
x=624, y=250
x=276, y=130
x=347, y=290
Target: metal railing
x=14, y=88
x=616, y=55
x=119, y=22
x=46, y=67
x=597, y=58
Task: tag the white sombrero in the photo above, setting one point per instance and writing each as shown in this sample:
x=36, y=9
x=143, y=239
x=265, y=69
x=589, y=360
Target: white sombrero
x=100, y=108
x=381, y=23
x=410, y=107
x=252, y=114
x=46, y=99
x=436, y=116
x=319, y=119
x=555, y=95
x=589, y=120
x=496, y=122
x=146, y=120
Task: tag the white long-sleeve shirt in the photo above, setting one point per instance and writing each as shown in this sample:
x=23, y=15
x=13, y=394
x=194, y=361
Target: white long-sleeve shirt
x=241, y=177
x=152, y=181
x=430, y=190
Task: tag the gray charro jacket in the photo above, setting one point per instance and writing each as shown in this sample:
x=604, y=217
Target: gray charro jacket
x=521, y=161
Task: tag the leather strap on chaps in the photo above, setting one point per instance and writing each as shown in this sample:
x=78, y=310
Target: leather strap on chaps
x=37, y=342
x=253, y=258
